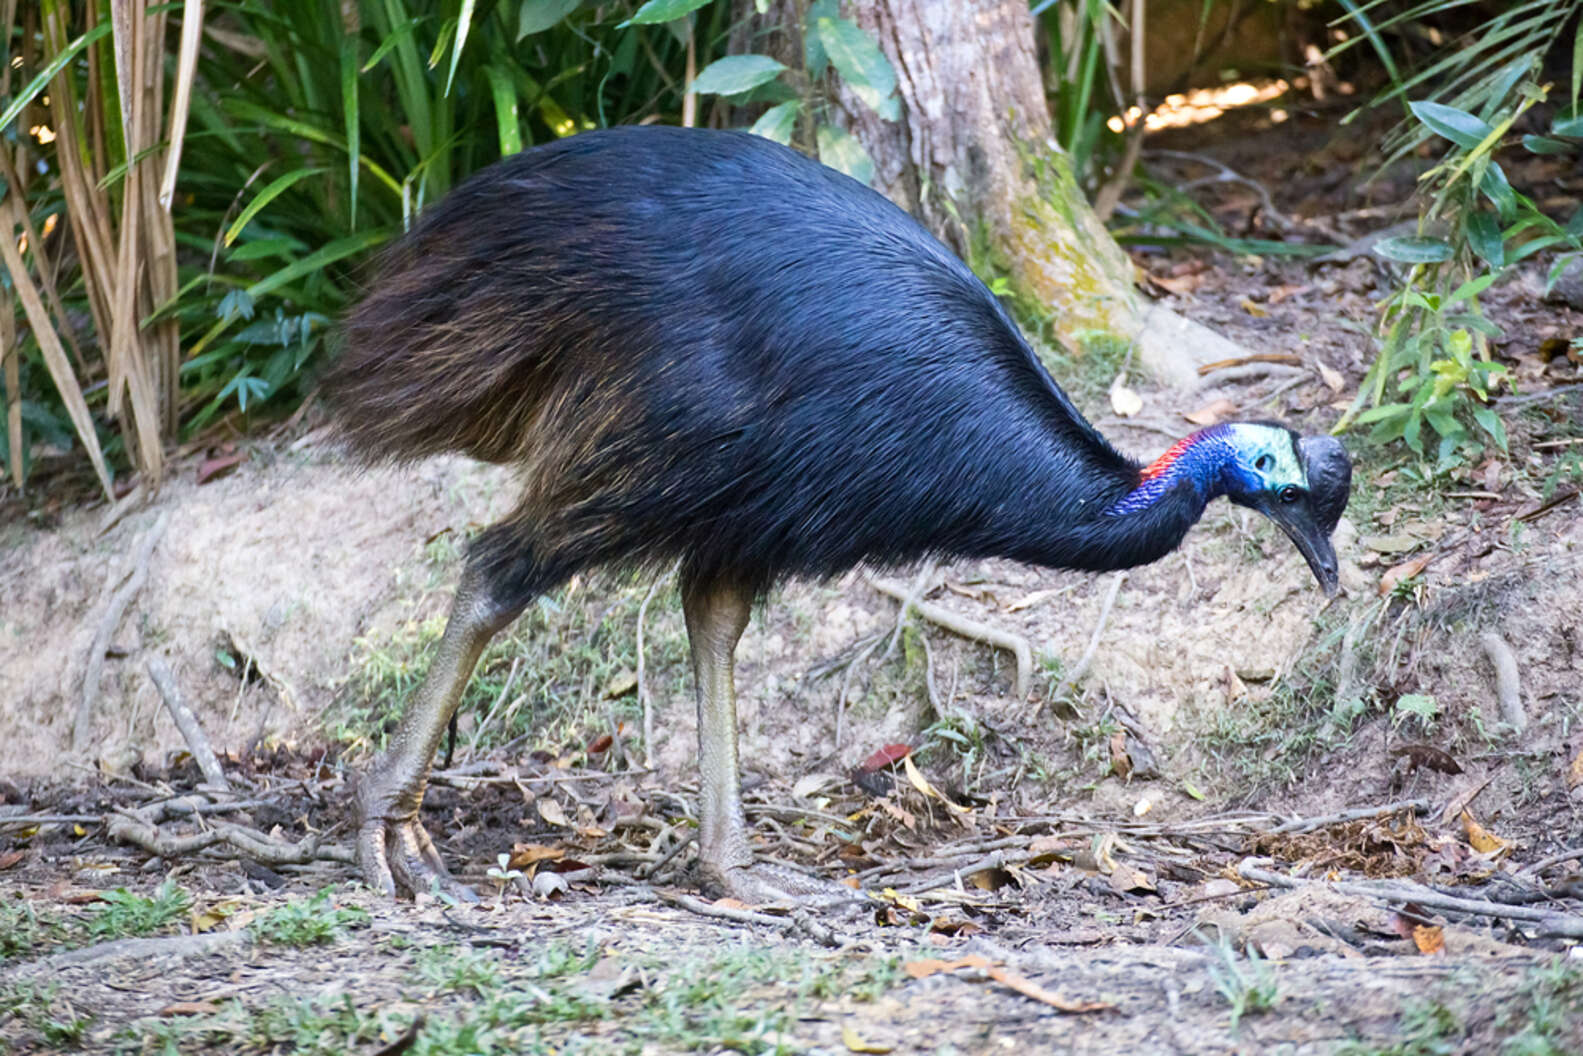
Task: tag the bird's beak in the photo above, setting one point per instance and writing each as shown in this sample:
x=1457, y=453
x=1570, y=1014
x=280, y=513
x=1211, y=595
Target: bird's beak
x=1297, y=520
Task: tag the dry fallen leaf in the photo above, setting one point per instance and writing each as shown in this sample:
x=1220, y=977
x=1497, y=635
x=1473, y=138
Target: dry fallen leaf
x=188, y=1008
x=1429, y=939
x=1398, y=574
x=1427, y=756
x=1212, y=412
x=1120, y=761
x=1128, y=879
x=621, y=684
x=551, y=812
x=526, y=854
x=885, y=756
x=1331, y=377
x=1280, y=293
x=1575, y=772
x=1123, y=400
x=922, y=784
x=854, y=1043
x=10, y=858
x=1480, y=838
x=922, y=969
x=1253, y=309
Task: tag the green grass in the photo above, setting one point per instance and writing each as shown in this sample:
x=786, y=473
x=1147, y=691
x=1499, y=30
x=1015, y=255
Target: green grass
x=310, y=922
x=483, y=1002
x=544, y=679
x=25, y=932
x=126, y=915
x=34, y=1011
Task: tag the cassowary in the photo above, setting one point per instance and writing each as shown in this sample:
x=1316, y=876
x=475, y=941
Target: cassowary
x=703, y=348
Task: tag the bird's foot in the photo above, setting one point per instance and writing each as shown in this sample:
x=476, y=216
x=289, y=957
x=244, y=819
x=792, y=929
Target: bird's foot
x=395, y=853
x=768, y=884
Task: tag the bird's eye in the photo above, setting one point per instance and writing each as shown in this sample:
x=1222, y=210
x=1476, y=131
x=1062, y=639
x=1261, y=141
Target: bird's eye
x=1264, y=463
x=1290, y=493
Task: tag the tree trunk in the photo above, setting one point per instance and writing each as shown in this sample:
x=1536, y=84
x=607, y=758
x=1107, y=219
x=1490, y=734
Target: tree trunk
x=974, y=158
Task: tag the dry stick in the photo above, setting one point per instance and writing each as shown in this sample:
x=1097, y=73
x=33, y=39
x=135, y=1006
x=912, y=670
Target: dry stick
x=645, y=701
x=52, y=819
x=1087, y=658
x=505, y=691
x=1508, y=685
x=187, y=723
x=1417, y=806
x=745, y=916
x=107, y=625
x=1563, y=925
x=920, y=586
x=128, y=828
x=1016, y=644
x=1536, y=868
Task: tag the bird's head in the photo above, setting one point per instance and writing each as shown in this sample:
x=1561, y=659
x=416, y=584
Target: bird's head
x=1299, y=482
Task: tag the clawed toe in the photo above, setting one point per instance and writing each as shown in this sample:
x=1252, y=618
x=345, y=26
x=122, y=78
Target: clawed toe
x=767, y=884
x=399, y=856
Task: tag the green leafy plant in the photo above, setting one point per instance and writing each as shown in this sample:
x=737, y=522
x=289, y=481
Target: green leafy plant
x=307, y=923
x=127, y=914
x=1248, y=984
x=1431, y=382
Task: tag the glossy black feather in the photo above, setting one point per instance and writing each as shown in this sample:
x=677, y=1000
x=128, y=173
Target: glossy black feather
x=704, y=346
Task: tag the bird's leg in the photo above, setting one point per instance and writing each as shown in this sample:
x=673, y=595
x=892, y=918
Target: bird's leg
x=716, y=617
x=392, y=847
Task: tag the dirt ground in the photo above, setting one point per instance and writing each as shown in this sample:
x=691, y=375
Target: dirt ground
x=1137, y=858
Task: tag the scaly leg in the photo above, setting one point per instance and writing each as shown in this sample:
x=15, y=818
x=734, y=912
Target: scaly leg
x=716, y=617
x=392, y=847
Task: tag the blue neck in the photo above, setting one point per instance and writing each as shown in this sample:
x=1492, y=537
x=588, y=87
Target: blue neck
x=1199, y=460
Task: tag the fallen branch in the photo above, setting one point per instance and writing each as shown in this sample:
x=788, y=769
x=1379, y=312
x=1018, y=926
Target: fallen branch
x=1286, y=359
x=135, y=576
x=1542, y=864
x=1417, y=806
x=1508, y=684
x=970, y=629
x=1561, y=925
x=1081, y=667
x=797, y=922
x=250, y=843
x=187, y=723
x=645, y=700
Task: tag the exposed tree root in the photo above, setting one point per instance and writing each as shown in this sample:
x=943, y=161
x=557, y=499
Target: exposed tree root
x=1546, y=922
x=187, y=723
x=1508, y=684
x=136, y=574
x=1016, y=644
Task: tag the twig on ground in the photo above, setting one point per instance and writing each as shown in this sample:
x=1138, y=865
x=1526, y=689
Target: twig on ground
x=645, y=701
x=489, y=716
x=1292, y=362
x=1551, y=924
x=406, y=1040
x=797, y=922
x=920, y=587
x=1417, y=806
x=1508, y=684
x=967, y=628
x=53, y=819
x=1243, y=370
x=134, y=577
x=130, y=828
x=187, y=723
x=1544, y=863
x=1080, y=669
x=846, y=688
x=1515, y=400
x=687, y=836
